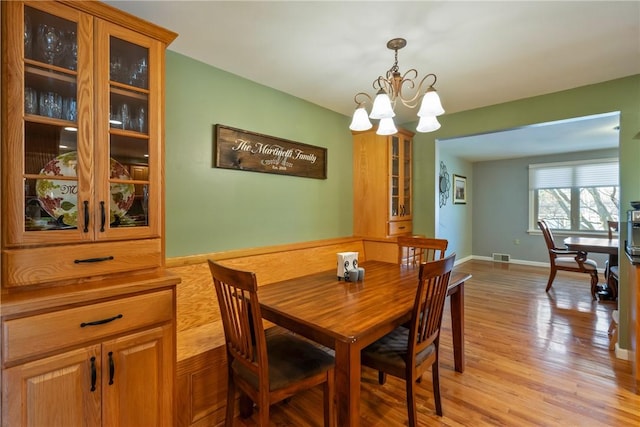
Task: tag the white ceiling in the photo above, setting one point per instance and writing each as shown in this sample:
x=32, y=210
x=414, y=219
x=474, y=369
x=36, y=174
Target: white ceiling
x=483, y=53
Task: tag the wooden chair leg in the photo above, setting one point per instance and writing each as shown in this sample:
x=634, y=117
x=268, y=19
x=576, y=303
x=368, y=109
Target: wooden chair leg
x=231, y=401
x=263, y=410
x=411, y=402
x=329, y=401
x=594, y=284
x=382, y=377
x=552, y=275
x=436, y=388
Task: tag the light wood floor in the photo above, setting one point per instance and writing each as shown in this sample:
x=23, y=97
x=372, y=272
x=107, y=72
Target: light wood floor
x=532, y=359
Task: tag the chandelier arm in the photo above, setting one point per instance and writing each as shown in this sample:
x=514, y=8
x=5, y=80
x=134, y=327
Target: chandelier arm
x=360, y=95
x=384, y=84
x=413, y=101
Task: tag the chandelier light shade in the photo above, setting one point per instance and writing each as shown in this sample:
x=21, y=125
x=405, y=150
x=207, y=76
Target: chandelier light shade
x=389, y=91
x=386, y=126
x=360, y=120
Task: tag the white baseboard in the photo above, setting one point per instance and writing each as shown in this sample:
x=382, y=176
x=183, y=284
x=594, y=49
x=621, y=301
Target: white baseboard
x=622, y=353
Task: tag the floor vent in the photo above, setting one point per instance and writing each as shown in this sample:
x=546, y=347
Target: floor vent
x=501, y=257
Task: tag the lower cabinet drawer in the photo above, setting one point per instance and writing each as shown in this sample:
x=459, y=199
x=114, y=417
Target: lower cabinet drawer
x=23, y=267
x=41, y=333
x=400, y=227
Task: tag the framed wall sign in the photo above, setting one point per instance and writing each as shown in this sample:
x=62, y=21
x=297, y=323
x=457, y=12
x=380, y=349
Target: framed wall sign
x=250, y=151
x=459, y=189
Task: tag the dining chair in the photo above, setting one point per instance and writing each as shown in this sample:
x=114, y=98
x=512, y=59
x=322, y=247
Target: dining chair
x=413, y=250
x=566, y=260
x=611, y=272
x=407, y=353
x=266, y=367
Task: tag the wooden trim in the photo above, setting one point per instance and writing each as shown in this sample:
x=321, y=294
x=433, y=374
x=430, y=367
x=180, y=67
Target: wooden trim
x=243, y=253
x=124, y=19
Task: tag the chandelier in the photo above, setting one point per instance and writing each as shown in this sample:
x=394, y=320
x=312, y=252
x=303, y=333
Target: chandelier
x=389, y=91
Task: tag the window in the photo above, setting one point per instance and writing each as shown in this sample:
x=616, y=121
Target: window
x=575, y=196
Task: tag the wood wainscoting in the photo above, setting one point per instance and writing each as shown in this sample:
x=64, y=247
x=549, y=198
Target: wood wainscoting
x=201, y=371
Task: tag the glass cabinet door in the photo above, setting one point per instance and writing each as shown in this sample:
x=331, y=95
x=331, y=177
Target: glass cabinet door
x=400, y=177
x=406, y=177
x=396, y=207
x=48, y=154
x=127, y=183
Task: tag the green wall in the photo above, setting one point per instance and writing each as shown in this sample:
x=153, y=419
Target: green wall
x=210, y=209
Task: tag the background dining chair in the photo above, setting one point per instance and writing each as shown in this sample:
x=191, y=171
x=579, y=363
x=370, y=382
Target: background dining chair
x=611, y=270
x=267, y=368
x=413, y=250
x=407, y=353
x=566, y=260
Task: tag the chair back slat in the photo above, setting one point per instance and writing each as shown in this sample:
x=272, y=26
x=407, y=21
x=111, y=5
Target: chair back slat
x=414, y=250
x=433, y=283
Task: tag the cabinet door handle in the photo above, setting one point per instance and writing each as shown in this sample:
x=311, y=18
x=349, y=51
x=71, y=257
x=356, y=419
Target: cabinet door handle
x=101, y=322
x=80, y=261
x=112, y=368
x=94, y=375
x=103, y=216
x=86, y=216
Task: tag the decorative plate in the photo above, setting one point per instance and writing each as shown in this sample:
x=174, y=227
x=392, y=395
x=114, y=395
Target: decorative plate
x=59, y=198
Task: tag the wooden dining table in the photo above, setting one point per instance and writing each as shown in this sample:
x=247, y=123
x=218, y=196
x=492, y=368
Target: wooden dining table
x=600, y=245
x=348, y=316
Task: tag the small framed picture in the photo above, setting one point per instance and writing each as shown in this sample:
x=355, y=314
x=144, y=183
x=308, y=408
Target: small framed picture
x=459, y=189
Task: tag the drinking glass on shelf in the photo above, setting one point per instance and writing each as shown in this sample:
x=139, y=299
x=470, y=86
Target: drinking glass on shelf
x=50, y=41
x=28, y=36
x=70, y=50
x=30, y=100
x=69, y=109
x=116, y=68
x=141, y=120
x=115, y=120
x=50, y=105
x=138, y=74
x=125, y=116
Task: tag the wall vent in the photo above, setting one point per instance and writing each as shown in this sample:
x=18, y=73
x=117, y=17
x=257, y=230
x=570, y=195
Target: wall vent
x=501, y=257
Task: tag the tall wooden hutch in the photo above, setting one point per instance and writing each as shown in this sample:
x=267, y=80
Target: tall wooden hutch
x=382, y=184
x=88, y=312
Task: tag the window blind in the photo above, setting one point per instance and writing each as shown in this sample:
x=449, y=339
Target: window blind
x=593, y=173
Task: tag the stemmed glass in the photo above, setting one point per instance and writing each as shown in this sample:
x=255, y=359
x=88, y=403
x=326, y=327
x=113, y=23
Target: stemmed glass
x=50, y=41
x=70, y=49
x=28, y=36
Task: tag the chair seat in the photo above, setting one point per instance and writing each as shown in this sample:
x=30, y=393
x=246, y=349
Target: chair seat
x=291, y=359
x=614, y=271
x=589, y=264
x=391, y=351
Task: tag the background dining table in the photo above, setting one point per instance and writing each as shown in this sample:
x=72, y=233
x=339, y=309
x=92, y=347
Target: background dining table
x=602, y=245
x=347, y=316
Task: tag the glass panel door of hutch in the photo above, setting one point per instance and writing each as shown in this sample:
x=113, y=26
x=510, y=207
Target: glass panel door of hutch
x=128, y=136
x=406, y=177
x=55, y=185
x=395, y=177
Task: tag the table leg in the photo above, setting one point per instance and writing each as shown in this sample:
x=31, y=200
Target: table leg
x=348, y=384
x=457, y=326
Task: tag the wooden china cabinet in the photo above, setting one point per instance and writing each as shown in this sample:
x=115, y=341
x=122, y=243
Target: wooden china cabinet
x=88, y=311
x=382, y=184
